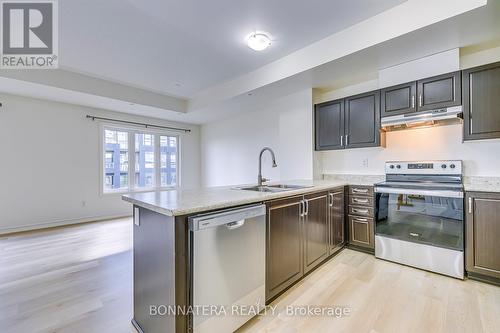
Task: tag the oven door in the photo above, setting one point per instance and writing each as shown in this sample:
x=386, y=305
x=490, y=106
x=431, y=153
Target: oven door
x=428, y=217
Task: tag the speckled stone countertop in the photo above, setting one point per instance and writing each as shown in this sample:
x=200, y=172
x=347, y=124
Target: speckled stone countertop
x=355, y=179
x=482, y=184
x=184, y=202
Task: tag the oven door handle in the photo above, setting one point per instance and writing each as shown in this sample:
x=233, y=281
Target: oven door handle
x=432, y=193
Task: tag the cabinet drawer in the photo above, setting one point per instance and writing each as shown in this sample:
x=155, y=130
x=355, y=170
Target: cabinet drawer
x=361, y=190
x=360, y=201
x=361, y=231
x=360, y=211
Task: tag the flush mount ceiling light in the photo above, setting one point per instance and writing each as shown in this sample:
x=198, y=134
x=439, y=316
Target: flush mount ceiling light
x=258, y=41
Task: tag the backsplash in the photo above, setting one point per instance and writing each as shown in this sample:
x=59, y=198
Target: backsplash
x=480, y=158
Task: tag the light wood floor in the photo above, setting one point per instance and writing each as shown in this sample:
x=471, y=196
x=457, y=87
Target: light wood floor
x=79, y=279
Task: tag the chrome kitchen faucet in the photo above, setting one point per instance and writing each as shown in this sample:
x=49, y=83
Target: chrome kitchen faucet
x=260, y=179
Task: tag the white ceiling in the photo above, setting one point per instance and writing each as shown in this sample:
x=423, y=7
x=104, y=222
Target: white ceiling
x=180, y=47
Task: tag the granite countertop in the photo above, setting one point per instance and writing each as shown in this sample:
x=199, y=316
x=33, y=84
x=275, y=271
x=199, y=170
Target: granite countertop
x=184, y=202
x=482, y=184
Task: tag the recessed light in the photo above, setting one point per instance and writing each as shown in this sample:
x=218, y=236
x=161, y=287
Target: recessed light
x=258, y=41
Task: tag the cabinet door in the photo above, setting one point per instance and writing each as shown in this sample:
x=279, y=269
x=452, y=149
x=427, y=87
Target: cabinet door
x=362, y=117
x=361, y=231
x=439, y=92
x=398, y=100
x=336, y=221
x=329, y=124
x=483, y=234
x=481, y=86
x=283, y=245
x=315, y=230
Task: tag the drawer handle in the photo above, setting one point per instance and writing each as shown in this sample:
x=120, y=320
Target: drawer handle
x=360, y=200
x=361, y=211
x=360, y=190
x=364, y=221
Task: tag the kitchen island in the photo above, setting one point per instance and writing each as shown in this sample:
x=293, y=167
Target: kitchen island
x=303, y=227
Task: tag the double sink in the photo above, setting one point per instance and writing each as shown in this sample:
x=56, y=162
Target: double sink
x=272, y=188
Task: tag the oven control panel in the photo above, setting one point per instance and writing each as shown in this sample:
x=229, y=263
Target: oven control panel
x=448, y=167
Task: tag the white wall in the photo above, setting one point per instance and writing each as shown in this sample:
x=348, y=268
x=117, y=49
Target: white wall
x=230, y=147
x=481, y=158
x=50, y=164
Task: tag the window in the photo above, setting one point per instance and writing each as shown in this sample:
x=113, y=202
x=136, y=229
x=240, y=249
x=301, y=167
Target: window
x=168, y=156
x=145, y=160
x=151, y=164
x=115, y=159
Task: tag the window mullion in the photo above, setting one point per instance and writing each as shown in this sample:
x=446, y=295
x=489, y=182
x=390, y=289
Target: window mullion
x=157, y=161
x=131, y=157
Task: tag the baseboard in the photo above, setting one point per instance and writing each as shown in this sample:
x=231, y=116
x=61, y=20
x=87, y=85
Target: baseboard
x=483, y=278
x=53, y=224
x=360, y=249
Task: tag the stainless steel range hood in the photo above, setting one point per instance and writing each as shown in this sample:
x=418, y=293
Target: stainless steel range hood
x=447, y=116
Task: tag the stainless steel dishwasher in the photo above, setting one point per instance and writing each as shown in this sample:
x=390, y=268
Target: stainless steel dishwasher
x=227, y=267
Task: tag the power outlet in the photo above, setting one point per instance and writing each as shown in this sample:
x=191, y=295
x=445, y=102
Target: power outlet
x=364, y=164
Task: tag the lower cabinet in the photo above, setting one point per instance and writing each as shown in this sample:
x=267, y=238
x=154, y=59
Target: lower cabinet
x=284, y=251
x=482, y=222
x=315, y=230
x=336, y=221
x=360, y=218
x=301, y=233
x=360, y=231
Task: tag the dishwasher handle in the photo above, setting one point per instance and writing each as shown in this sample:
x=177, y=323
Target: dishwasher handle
x=232, y=218
x=235, y=224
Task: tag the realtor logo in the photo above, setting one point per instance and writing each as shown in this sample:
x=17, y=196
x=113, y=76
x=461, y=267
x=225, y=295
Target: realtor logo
x=29, y=34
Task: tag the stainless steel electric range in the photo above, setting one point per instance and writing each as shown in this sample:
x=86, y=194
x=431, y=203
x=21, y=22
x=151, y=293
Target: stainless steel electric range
x=420, y=217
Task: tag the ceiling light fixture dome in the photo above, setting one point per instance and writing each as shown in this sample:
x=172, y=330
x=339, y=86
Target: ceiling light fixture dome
x=258, y=41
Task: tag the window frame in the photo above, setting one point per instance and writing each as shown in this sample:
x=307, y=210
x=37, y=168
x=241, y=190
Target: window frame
x=132, y=131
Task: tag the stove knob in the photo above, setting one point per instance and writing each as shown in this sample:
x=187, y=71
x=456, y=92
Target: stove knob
x=443, y=166
x=392, y=166
x=452, y=166
x=398, y=166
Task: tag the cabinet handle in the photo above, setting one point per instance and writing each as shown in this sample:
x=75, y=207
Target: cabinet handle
x=331, y=199
x=413, y=101
x=341, y=141
x=301, y=208
x=307, y=207
x=364, y=221
x=361, y=211
x=346, y=139
x=360, y=200
x=420, y=99
x=470, y=205
x=360, y=190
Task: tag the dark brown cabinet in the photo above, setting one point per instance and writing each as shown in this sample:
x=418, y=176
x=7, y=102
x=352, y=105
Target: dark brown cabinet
x=481, y=102
x=399, y=99
x=440, y=91
x=336, y=230
x=482, y=222
x=360, y=217
x=329, y=120
x=423, y=95
x=284, y=250
x=353, y=122
x=362, y=120
x=301, y=233
x=315, y=230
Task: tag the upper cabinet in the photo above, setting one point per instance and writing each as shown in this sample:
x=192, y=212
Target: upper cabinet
x=399, y=99
x=481, y=93
x=439, y=92
x=428, y=94
x=362, y=120
x=353, y=122
x=329, y=118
